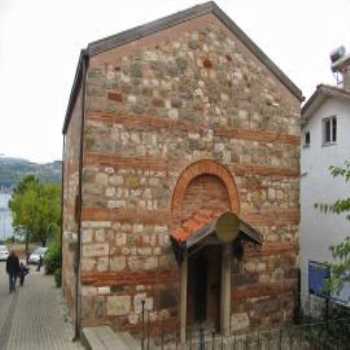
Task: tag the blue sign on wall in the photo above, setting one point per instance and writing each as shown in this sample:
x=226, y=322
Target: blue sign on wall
x=318, y=274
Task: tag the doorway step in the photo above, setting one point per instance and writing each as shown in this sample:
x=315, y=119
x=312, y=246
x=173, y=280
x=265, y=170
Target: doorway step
x=103, y=338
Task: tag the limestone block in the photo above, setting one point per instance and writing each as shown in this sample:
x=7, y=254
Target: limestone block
x=219, y=147
x=279, y=195
x=224, y=97
x=119, y=193
x=261, y=267
x=173, y=114
x=118, y=263
x=133, y=318
x=160, y=229
x=135, y=263
x=104, y=290
x=87, y=235
x=264, y=278
x=120, y=239
x=132, y=99
x=157, y=251
x=138, y=228
x=100, y=235
x=109, y=170
x=138, y=298
x=164, y=240
x=116, y=226
x=271, y=194
x=250, y=267
x=88, y=265
x=147, y=194
x=126, y=251
x=93, y=188
x=239, y=321
x=132, y=181
x=102, y=179
x=135, y=137
x=96, y=224
x=118, y=305
x=116, y=204
x=88, y=291
x=102, y=264
x=96, y=249
x=110, y=191
x=116, y=180
x=154, y=182
x=150, y=263
x=144, y=251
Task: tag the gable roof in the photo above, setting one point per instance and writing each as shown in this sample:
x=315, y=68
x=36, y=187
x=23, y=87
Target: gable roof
x=321, y=93
x=204, y=222
x=139, y=32
x=202, y=225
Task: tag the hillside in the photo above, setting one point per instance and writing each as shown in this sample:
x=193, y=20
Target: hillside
x=12, y=170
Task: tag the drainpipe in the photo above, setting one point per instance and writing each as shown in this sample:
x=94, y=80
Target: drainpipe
x=84, y=62
x=62, y=206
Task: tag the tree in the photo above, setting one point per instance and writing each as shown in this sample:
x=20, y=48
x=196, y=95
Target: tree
x=340, y=266
x=36, y=209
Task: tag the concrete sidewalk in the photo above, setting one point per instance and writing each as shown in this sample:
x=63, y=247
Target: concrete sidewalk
x=33, y=318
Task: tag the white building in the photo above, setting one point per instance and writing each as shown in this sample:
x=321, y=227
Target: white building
x=6, y=229
x=326, y=142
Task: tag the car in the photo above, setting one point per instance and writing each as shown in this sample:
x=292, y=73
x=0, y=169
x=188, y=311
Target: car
x=4, y=253
x=34, y=258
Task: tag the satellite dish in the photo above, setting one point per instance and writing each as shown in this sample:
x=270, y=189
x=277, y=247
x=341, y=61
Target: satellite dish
x=337, y=54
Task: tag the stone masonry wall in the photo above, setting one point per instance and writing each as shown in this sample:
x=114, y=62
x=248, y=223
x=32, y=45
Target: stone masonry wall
x=155, y=106
x=70, y=225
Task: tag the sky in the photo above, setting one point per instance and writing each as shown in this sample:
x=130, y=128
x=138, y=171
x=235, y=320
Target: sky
x=40, y=41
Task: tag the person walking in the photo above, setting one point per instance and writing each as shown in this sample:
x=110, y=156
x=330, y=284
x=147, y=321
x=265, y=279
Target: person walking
x=40, y=262
x=23, y=271
x=12, y=269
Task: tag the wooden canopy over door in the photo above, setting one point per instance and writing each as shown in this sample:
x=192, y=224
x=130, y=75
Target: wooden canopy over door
x=203, y=230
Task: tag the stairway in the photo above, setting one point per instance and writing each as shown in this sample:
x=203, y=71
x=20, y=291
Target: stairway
x=103, y=338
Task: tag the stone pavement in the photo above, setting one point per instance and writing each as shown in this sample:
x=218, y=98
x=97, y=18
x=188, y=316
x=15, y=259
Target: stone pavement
x=33, y=318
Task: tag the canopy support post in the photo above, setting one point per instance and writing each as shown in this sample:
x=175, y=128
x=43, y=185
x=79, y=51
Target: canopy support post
x=226, y=272
x=183, y=298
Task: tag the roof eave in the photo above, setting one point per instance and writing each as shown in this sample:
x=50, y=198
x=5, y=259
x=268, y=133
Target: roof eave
x=144, y=30
x=321, y=93
x=282, y=77
x=309, y=106
x=74, y=91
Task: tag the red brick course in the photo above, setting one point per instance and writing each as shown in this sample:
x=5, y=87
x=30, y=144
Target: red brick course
x=152, y=122
x=128, y=278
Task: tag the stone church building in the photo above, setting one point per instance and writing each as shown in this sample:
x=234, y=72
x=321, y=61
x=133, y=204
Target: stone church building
x=181, y=180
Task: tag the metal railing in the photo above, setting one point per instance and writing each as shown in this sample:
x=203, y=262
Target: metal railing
x=331, y=334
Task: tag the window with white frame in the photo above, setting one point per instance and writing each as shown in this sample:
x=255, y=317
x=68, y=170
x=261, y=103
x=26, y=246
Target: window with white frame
x=329, y=126
x=307, y=139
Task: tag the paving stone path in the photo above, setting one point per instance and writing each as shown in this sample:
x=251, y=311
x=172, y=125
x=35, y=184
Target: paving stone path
x=33, y=318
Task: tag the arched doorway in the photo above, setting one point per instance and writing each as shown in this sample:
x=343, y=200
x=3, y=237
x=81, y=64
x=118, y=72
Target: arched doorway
x=204, y=187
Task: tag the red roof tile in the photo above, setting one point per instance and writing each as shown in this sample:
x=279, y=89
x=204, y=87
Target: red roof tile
x=194, y=223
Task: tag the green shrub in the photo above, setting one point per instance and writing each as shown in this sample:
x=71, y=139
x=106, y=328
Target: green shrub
x=57, y=276
x=52, y=258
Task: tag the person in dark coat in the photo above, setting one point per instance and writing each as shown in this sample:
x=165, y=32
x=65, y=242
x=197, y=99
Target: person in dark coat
x=40, y=263
x=12, y=269
x=23, y=271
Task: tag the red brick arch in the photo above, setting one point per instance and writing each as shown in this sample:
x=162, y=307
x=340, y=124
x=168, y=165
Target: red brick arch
x=204, y=167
